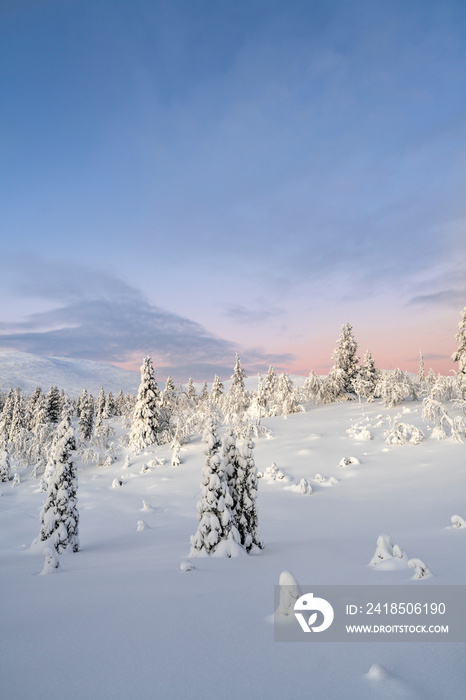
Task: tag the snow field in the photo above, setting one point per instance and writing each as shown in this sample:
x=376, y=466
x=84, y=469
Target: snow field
x=121, y=620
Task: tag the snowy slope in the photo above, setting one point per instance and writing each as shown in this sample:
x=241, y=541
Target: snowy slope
x=29, y=371
x=122, y=621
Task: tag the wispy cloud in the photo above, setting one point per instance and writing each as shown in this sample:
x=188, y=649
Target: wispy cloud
x=100, y=317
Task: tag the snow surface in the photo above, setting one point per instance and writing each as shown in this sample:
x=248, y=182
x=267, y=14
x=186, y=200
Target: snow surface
x=122, y=619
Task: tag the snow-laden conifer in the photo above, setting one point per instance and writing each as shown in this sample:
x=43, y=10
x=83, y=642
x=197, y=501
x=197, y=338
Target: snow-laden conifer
x=246, y=510
x=236, y=399
x=460, y=354
x=145, y=423
x=217, y=391
x=59, y=516
x=5, y=470
x=345, y=359
x=216, y=532
x=53, y=404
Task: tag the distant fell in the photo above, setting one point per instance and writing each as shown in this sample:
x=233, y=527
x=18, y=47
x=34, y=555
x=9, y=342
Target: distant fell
x=29, y=371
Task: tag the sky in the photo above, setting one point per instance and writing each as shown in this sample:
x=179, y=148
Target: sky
x=190, y=179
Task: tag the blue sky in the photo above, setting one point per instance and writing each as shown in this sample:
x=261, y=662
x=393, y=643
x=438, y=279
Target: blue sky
x=193, y=179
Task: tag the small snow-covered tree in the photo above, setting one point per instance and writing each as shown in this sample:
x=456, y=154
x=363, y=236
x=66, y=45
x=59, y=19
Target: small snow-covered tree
x=86, y=417
x=216, y=532
x=312, y=387
x=191, y=389
x=59, y=515
x=236, y=399
x=345, y=358
x=53, y=404
x=365, y=382
x=394, y=388
x=145, y=423
x=285, y=401
x=217, y=391
x=233, y=470
x=460, y=354
x=5, y=471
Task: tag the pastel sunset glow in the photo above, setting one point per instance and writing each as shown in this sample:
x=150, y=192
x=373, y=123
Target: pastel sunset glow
x=194, y=179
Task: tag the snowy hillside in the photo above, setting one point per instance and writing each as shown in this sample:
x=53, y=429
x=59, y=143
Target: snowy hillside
x=120, y=619
x=29, y=371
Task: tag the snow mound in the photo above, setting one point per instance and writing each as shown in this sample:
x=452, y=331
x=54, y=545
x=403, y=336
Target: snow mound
x=146, y=508
x=303, y=487
x=323, y=481
x=273, y=473
x=420, y=569
x=377, y=673
x=51, y=563
x=457, y=521
x=116, y=483
x=359, y=432
x=386, y=551
x=142, y=525
x=187, y=566
x=348, y=460
x=289, y=594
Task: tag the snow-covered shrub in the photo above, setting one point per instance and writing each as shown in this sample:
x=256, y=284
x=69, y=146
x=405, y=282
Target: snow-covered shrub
x=16, y=479
x=360, y=433
x=116, y=483
x=273, y=473
x=346, y=461
x=385, y=550
x=420, y=569
x=401, y=433
x=186, y=566
x=435, y=412
x=142, y=525
x=458, y=521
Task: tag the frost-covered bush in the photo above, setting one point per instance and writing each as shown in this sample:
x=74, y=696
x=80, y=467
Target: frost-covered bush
x=420, y=569
x=435, y=412
x=385, y=550
x=401, y=433
x=458, y=521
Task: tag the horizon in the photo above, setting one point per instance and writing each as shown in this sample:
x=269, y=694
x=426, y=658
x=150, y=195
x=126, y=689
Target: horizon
x=193, y=181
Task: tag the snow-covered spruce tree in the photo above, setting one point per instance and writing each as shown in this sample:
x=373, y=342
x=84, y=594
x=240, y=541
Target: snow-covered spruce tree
x=217, y=390
x=460, y=354
x=191, y=389
x=145, y=424
x=110, y=407
x=5, y=419
x=270, y=386
x=345, y=359
x=246, y=509
x=100, y=406
x=233, y=470
x=53, y=404
x=59, y=516
x=365, y=384
x=5, y=471
x=216, y=533
x=285, y=401
x=86, y=417
x=236, y=399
